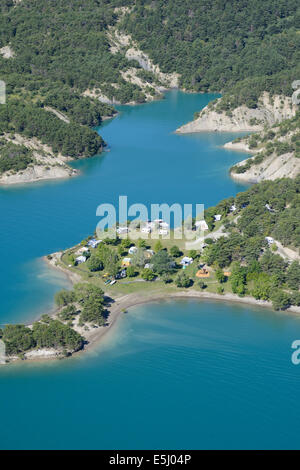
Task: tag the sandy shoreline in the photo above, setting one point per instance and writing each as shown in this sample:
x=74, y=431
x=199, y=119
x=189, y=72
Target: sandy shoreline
x=121, y=304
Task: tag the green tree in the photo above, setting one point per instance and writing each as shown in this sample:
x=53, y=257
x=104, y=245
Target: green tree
x=95, y=263
x=93, y=311
x=139, y=258
x=141, y=243
x=238, y=279
x=148, y=274
x=131, y=272
x=280, y=299
x=17, y=339
x=220, y=276
x=193, y=254
x=158, y=246
x=175, y=251
x=162, y=262
x=64, y=297
x=293, y=275
x=182, y=280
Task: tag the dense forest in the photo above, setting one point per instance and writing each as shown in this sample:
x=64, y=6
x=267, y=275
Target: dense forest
x=238, y=47
x=268, y=209
x=47, y=333
x=59, y=50
x=14, y=157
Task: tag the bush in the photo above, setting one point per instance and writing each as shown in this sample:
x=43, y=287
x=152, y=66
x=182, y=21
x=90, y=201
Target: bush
x=131, y=272
x=95, y=263
x=175, y=251
x=64, y=297
x=280, y=300
x=148, y=274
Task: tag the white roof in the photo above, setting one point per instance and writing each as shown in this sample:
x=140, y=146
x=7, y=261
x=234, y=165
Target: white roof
x=163, y=231
x=132, y=249
x=164, y=224
x=146, y=229
x=186, y=260
x=148, y=266
x=81, y=259
x=233, y=208
x=218, y=217
x=269, y=239
x=122, y=230
x=126, y=260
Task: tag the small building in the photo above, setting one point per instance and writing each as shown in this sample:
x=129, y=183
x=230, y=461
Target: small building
x=218, y=217
x=94, y=243
x=80, y=259
x=227, y=273
x=126, y=262
x=132, y=250
x=163, y=231
x=146, y=229
x=186, y=261
x=81, y=250
x=202, y=273
x=270, y=240
x=201, y=225
x=148, y=266
x=232, y=208
x=164, y=225
x=121, y=230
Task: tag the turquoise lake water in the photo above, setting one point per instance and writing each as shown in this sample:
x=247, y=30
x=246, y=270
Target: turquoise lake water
x=171, y=375
x=147, y=162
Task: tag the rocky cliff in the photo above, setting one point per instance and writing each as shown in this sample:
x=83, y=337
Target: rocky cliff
x=270, y=110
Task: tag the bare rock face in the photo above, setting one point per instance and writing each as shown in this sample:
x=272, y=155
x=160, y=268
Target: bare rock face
x=46, y=164
x=37, y=173
x=170, y=80
x=7, y=52
x=242, y=119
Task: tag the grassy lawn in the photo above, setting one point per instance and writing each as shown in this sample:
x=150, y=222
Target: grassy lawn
x=137, y=284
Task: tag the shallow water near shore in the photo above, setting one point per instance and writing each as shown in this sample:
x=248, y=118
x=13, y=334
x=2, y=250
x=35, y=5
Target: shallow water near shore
x=184, y=374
